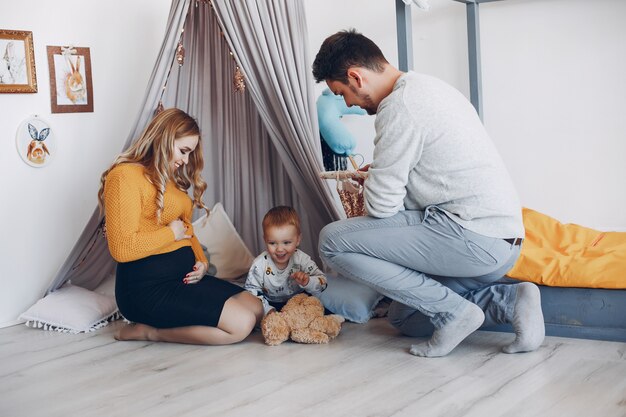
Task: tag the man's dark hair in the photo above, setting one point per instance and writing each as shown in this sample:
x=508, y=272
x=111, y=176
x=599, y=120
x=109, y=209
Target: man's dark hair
x=343, y=50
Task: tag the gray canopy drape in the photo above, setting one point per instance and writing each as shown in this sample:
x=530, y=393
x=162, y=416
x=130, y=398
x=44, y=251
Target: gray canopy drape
x=269, y=39
x=261, y=147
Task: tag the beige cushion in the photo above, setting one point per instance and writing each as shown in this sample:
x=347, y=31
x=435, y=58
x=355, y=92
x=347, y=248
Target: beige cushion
x=229, y=258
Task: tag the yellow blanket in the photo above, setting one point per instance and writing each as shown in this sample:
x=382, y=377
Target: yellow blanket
x=569, y=255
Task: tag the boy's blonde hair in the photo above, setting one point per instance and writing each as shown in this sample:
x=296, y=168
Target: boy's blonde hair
x=281, y=216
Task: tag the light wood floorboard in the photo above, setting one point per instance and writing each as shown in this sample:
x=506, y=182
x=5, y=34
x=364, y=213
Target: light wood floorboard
x=366, y=371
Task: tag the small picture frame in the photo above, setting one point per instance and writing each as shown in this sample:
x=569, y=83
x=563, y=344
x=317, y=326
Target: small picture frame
x=71, y=89
x=35, y=142
x=17, y=62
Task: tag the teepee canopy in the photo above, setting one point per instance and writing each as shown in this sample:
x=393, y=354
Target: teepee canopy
x=261, y=145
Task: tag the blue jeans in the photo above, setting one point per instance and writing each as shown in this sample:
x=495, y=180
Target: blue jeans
x=428, y=264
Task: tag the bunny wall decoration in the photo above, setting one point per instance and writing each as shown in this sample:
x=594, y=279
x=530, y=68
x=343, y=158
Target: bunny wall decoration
x=37, y=150
x=35, y=142
x=70, y=79
x=12, y=67
x=74, y=84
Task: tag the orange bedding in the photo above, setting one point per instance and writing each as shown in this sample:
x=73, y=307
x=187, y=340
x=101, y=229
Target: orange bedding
x=569, y=255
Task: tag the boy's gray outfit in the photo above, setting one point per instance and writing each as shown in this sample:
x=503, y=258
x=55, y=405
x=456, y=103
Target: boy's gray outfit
x=443, y=212
x=273, y=285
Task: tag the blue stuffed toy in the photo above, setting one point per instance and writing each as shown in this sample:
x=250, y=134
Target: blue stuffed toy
x=331, y=108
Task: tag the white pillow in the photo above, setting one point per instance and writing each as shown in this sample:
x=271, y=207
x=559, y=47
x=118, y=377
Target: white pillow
x=227, y=251
x=71, y=309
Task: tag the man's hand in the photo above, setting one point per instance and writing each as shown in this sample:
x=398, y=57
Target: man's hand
x=362, y=169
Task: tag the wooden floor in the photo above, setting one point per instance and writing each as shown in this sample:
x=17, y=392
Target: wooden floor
x=366, y=371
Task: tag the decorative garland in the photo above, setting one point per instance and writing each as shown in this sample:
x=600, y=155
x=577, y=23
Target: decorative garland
x=239, y=81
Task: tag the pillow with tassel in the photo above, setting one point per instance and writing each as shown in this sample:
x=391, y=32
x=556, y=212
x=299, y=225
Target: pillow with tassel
x=71, y=309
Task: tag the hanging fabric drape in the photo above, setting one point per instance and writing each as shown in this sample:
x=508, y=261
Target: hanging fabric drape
x=242, y=167
x=269, y=41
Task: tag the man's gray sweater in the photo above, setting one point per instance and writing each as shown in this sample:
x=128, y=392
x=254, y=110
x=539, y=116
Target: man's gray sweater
x=432, y=149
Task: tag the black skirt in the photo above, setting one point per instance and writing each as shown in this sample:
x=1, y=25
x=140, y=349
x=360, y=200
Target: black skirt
x=151, y=291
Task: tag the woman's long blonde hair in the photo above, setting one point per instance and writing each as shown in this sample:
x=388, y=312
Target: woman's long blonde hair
x=154, y=150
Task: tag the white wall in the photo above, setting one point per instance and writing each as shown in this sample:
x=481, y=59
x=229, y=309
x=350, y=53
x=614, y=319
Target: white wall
x=554, y=90
x=555, y=99
x=44, y=210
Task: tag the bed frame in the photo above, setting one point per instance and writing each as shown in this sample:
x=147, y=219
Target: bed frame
x=405, y=45
x=586, y=313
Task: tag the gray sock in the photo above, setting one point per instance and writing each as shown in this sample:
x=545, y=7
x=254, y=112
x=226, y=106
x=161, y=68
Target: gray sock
x=452, y=333
x=527, y=320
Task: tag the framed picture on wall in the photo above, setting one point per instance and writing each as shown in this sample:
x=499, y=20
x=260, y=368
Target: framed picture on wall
x=17, y=62
x=71, y=89
x=35, y=142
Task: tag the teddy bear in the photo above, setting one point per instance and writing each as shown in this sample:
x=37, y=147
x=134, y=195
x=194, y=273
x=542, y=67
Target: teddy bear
x=302, y=319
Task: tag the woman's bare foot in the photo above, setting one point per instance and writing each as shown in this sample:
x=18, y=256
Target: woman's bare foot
x=135, y=331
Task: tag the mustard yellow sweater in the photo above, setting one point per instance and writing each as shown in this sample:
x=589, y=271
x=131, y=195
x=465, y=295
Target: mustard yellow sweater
x=130, y=210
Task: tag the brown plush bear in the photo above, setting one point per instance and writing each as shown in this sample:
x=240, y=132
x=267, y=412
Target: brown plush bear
x=302, y=319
